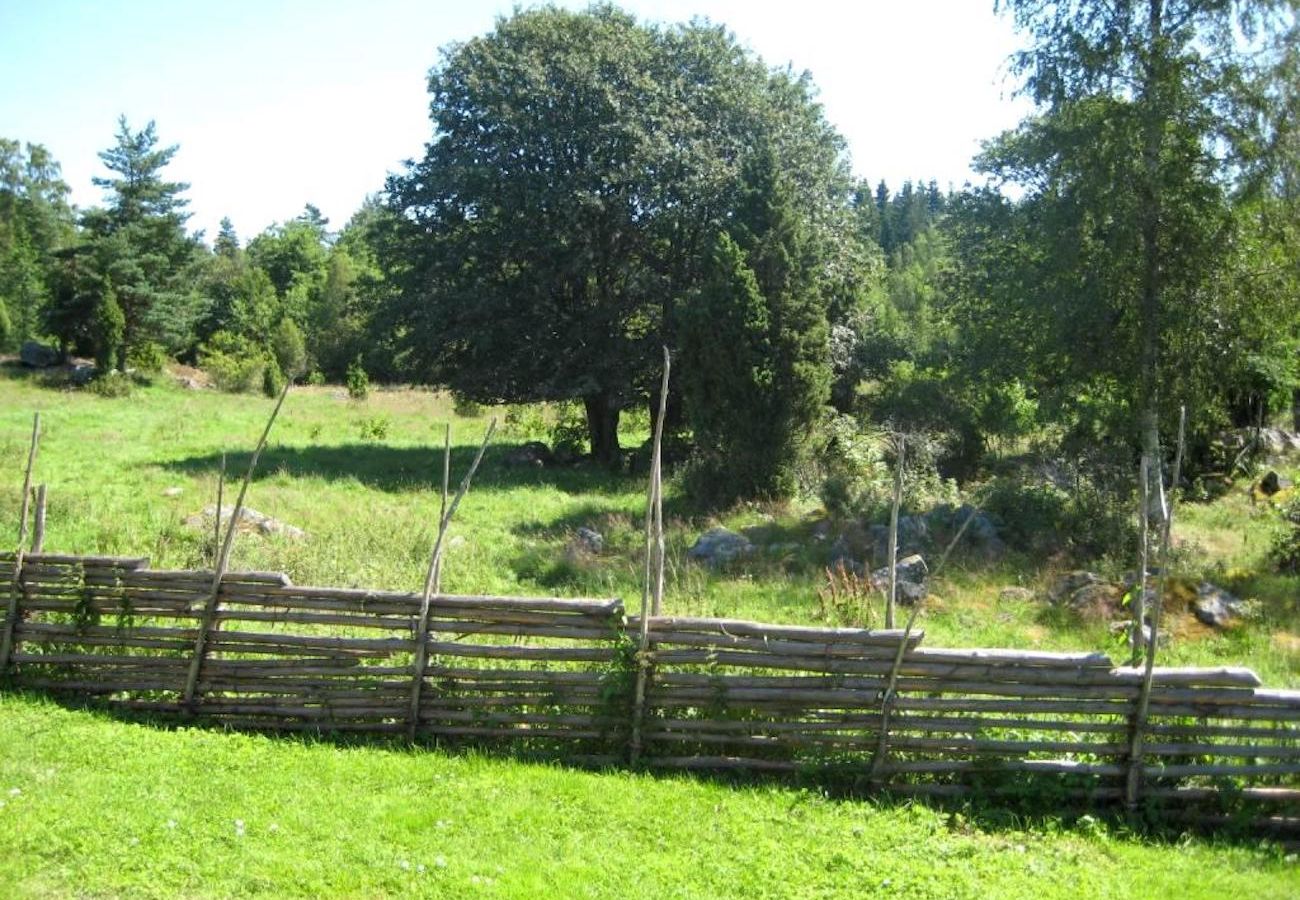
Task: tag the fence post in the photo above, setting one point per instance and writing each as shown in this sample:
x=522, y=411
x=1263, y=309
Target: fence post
x=209, y=612
x=15, y=585
x=433, y=577
x=652, y=589
x=1133, y=782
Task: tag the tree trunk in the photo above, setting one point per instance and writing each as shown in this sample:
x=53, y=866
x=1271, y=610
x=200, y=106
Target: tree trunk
x=1295, y=409
x=602, y=426
x=1150, y=304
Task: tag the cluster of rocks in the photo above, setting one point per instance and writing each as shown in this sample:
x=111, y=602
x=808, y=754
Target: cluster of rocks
x=250, y=520
x=1090, y=595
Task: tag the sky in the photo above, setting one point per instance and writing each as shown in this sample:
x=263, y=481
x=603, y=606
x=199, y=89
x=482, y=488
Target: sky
x=278, y=104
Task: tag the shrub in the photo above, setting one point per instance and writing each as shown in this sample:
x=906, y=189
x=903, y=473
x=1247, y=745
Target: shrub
x=357, y=381
x=110, y=327
x=234, y=364
x=111, y=384
x=374, y=428
x=316, y=378
x=273, y=379
x=568, y=436
x=465, y=407
x=148, y=356
x=1285, y=551
x=289, y=349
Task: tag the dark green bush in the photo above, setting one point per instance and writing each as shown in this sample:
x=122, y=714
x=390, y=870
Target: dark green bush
x=358, y=381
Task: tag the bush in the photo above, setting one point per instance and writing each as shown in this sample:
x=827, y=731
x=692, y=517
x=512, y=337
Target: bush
x=568, y=436
x=1285, y=551
x=149, y=357
x=289, y=349
x=110, y=326
x=316, y=378
x=1088, y=521
x=357, y=381
x=273, y=380
x=374, y=428
x=111, y=384
x=234, y=364
x=465, y=407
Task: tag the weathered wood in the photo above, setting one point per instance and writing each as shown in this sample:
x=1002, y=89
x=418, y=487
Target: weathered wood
x=892, y=596
x=16, y=576
x=223, y=558
x=813, y=633
x=431, y=580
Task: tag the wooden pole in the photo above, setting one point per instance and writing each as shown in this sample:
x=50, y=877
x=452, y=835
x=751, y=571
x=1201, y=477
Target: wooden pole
x=1140, y=598
x=223, y=560
x=651, y=594
x=433, y=576
x=38, y=529
x=1133, y=783
x=15, y=586
x=216, y=519
x=891, y=599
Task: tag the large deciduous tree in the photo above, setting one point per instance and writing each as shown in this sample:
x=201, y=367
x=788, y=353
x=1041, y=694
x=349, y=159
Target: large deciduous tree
x=1116, y=267
x=35, y=223
x=581, y=169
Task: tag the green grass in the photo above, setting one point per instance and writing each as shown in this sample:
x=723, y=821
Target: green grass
x=98, y=806
x=93, y=806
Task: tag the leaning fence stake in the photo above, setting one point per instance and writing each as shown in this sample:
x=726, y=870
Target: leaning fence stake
x=651, y=594
x=223, y=560
x=15, y=586
x=1139, y=602
x=1133, y=783
x=893, y=537
x=433, y=576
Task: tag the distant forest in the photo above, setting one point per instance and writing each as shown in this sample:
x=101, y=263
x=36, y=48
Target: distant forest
x=596, y=188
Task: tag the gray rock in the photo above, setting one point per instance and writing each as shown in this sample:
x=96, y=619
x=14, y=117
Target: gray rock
x=719, y=546
x=1216, y=607
x=909, y=593
x=842, y=558
x=37, y=355
x=1015, y=594
x=913, y=537
x=910, y=568
x=172, y=492
x=82, y=374
x=1069, y=584
x=589, y=540
x=1279, y=441
x=1100, y=598
x=250, y=520
x=190, y=384
x=533, y=453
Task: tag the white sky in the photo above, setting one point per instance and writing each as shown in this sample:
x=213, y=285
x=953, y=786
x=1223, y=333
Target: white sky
x=275, y=105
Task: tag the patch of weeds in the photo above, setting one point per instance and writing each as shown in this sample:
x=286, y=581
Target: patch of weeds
x=374, y=428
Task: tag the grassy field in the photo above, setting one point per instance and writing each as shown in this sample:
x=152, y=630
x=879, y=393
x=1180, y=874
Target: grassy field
x=97, y=806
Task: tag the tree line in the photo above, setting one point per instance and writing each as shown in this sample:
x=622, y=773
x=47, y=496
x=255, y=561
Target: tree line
x=597, y=187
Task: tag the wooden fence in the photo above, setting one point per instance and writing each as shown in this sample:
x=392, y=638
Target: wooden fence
x=557, y=675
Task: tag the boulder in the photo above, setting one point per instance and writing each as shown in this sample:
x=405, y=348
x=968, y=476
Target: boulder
x=37, y=355
x=719, y=546
x=913, y=537
x=81, y=373
x=533, y=453
x=1279, y=441
x=172, y=491
x=842, y=557
x=589, y=540
x=1272, y=483
x=1069, y=583
x=1015, y=594
x=910, y=568
x=1216, y=607
x=250, y=520
x=910, y=593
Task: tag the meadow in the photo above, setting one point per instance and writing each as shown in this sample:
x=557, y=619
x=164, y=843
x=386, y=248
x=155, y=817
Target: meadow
x=100, y=806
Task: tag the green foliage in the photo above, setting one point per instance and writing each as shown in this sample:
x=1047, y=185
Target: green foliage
x=567, y=289
x=755, y=352
x=111, y=384
x=234, y=364
x=148, y=357
x=289, y=349
x=273, y=379
x=466, y=407
x=357, y=381
x=374, y=428
x=316, y=378
x=36, y=223
x=1285, y=549
x=110, y=328
x=568, y=432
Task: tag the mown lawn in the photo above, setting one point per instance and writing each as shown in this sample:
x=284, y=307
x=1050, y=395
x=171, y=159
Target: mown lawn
x=98, y=806
x=92, y=806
